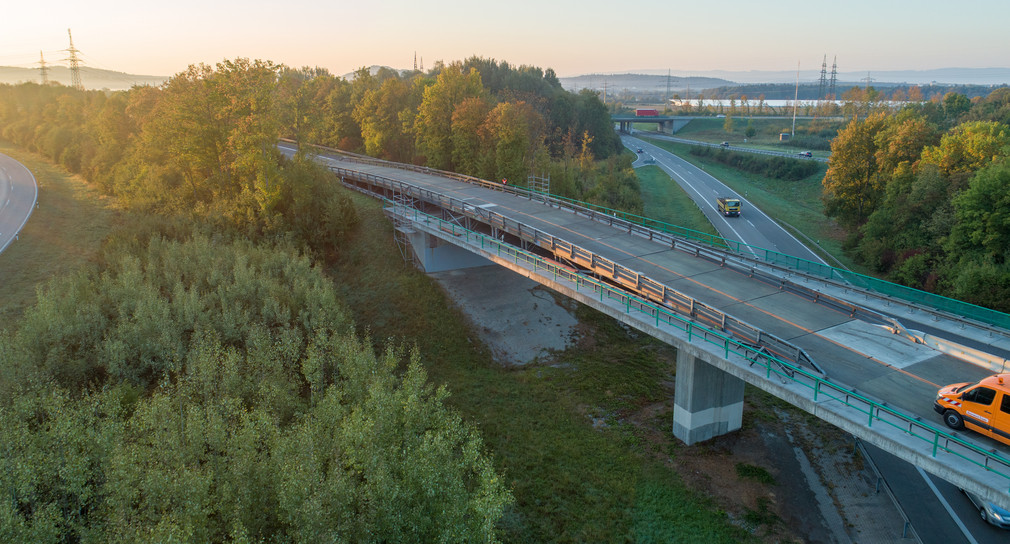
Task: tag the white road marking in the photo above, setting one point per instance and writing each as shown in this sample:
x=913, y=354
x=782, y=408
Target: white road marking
x=946, y=506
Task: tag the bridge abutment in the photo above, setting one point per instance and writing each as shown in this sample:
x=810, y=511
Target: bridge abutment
x=708, y=402
x=436, y=255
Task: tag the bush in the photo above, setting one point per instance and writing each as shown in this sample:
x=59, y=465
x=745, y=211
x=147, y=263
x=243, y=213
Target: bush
x=782, y=168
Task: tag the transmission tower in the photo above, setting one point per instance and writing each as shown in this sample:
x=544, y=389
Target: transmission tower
x=834, y=77
x=43, y=69
x=868, y=80
x=823, y=82
x=75, y=65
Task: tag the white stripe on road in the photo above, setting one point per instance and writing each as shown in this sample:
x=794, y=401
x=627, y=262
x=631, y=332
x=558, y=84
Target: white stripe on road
x=946, y=506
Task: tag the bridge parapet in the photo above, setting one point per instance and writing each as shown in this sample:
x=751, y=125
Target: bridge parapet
x=938, y=451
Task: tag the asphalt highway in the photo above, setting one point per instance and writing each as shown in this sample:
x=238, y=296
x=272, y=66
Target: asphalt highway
x=934, y=507
x=18, y=195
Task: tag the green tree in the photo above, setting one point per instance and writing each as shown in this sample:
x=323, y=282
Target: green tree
x=983, y=216
x=969, y=147
x=433, y=124
x=852, y=186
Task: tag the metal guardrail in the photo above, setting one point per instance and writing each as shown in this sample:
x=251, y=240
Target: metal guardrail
x=739, y=149
x=617, y=273
x=612, y=217
x=818, y=389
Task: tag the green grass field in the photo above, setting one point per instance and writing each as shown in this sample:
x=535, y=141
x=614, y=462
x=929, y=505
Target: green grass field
x=64, y=232
x=666, y=201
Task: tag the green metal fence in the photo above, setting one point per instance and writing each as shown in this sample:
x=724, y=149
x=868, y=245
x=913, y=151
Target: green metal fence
x=818, y=389
x=862, y=281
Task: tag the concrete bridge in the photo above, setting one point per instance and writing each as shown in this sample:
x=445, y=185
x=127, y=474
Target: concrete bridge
x=813, y=339
x=667, y=124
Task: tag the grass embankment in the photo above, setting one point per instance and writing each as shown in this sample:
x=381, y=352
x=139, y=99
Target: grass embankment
x=573, y=481
x=666, y=201
x=794, y=204
x=65, y=231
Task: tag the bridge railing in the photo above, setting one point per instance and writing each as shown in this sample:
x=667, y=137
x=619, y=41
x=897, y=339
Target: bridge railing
x=860, y=408
x=616, y=217
x=597, y=264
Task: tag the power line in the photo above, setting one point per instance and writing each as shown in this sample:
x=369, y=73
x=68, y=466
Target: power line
x=75, y=65
x=43, y=69
x=823, y=82
x=834, y=77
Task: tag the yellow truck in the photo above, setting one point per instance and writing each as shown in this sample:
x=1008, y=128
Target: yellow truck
x=730, y=207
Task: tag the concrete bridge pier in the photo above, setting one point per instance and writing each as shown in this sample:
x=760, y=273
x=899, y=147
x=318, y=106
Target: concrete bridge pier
x=436, y=255
x=708, y=402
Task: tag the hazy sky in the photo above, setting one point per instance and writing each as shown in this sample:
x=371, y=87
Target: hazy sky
x=573, y=38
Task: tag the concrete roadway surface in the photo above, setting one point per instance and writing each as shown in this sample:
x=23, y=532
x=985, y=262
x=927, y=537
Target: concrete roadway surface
x=18, y=194
x=933, y=506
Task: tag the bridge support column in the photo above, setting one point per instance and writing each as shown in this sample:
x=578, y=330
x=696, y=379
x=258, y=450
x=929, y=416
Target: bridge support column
x=435, y=255
x=708, y=402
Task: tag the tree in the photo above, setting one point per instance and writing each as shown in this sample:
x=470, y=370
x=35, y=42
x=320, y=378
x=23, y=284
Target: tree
x=433, y=125
x=379, y=114
x=955, y=105
x=969, y=147
x=983, y=215
x=470, y=144
x=852, y=186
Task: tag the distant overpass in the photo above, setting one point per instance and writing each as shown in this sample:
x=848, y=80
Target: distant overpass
x=808, y=336
x=667, y=124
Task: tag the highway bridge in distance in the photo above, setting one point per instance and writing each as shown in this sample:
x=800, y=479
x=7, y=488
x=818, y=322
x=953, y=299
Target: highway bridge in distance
x=734, y=317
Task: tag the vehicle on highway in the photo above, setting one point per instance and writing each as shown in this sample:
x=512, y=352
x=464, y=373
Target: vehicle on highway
x=724, y=144
x=983, y=407
x=805, y=154
x=992, y=514
x=640, y=150
x=730, y=207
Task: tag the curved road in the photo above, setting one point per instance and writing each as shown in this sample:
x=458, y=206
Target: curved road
x=923, y=497
x=18, y=194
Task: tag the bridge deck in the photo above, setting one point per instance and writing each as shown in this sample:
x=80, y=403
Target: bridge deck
x=863, y=356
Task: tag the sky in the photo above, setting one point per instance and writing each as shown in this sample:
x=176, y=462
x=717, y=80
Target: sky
x=574, y=38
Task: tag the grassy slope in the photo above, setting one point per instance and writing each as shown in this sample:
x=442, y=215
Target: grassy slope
x=667, y=202
x=65, y=231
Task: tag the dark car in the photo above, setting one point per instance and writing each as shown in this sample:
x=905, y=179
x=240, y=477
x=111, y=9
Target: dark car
x=805, y=154
x=640, y=150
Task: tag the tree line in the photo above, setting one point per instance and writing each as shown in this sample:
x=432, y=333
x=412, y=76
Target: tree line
x=202, y=380
x=923, y=193
x=782, y=168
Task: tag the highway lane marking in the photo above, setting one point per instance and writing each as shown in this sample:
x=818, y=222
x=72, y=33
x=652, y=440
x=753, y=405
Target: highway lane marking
x=957, y=520
x=709, y=288
x=758, y=210
x=708, y=202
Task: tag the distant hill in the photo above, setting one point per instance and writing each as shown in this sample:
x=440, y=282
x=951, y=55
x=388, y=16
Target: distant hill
x=91, y=78
x=940, y=76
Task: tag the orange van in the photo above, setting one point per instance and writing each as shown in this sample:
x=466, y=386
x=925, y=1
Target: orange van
x=983, y=407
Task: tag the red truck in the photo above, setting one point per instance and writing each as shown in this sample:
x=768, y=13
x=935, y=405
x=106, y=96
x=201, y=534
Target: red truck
x=646, y=113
